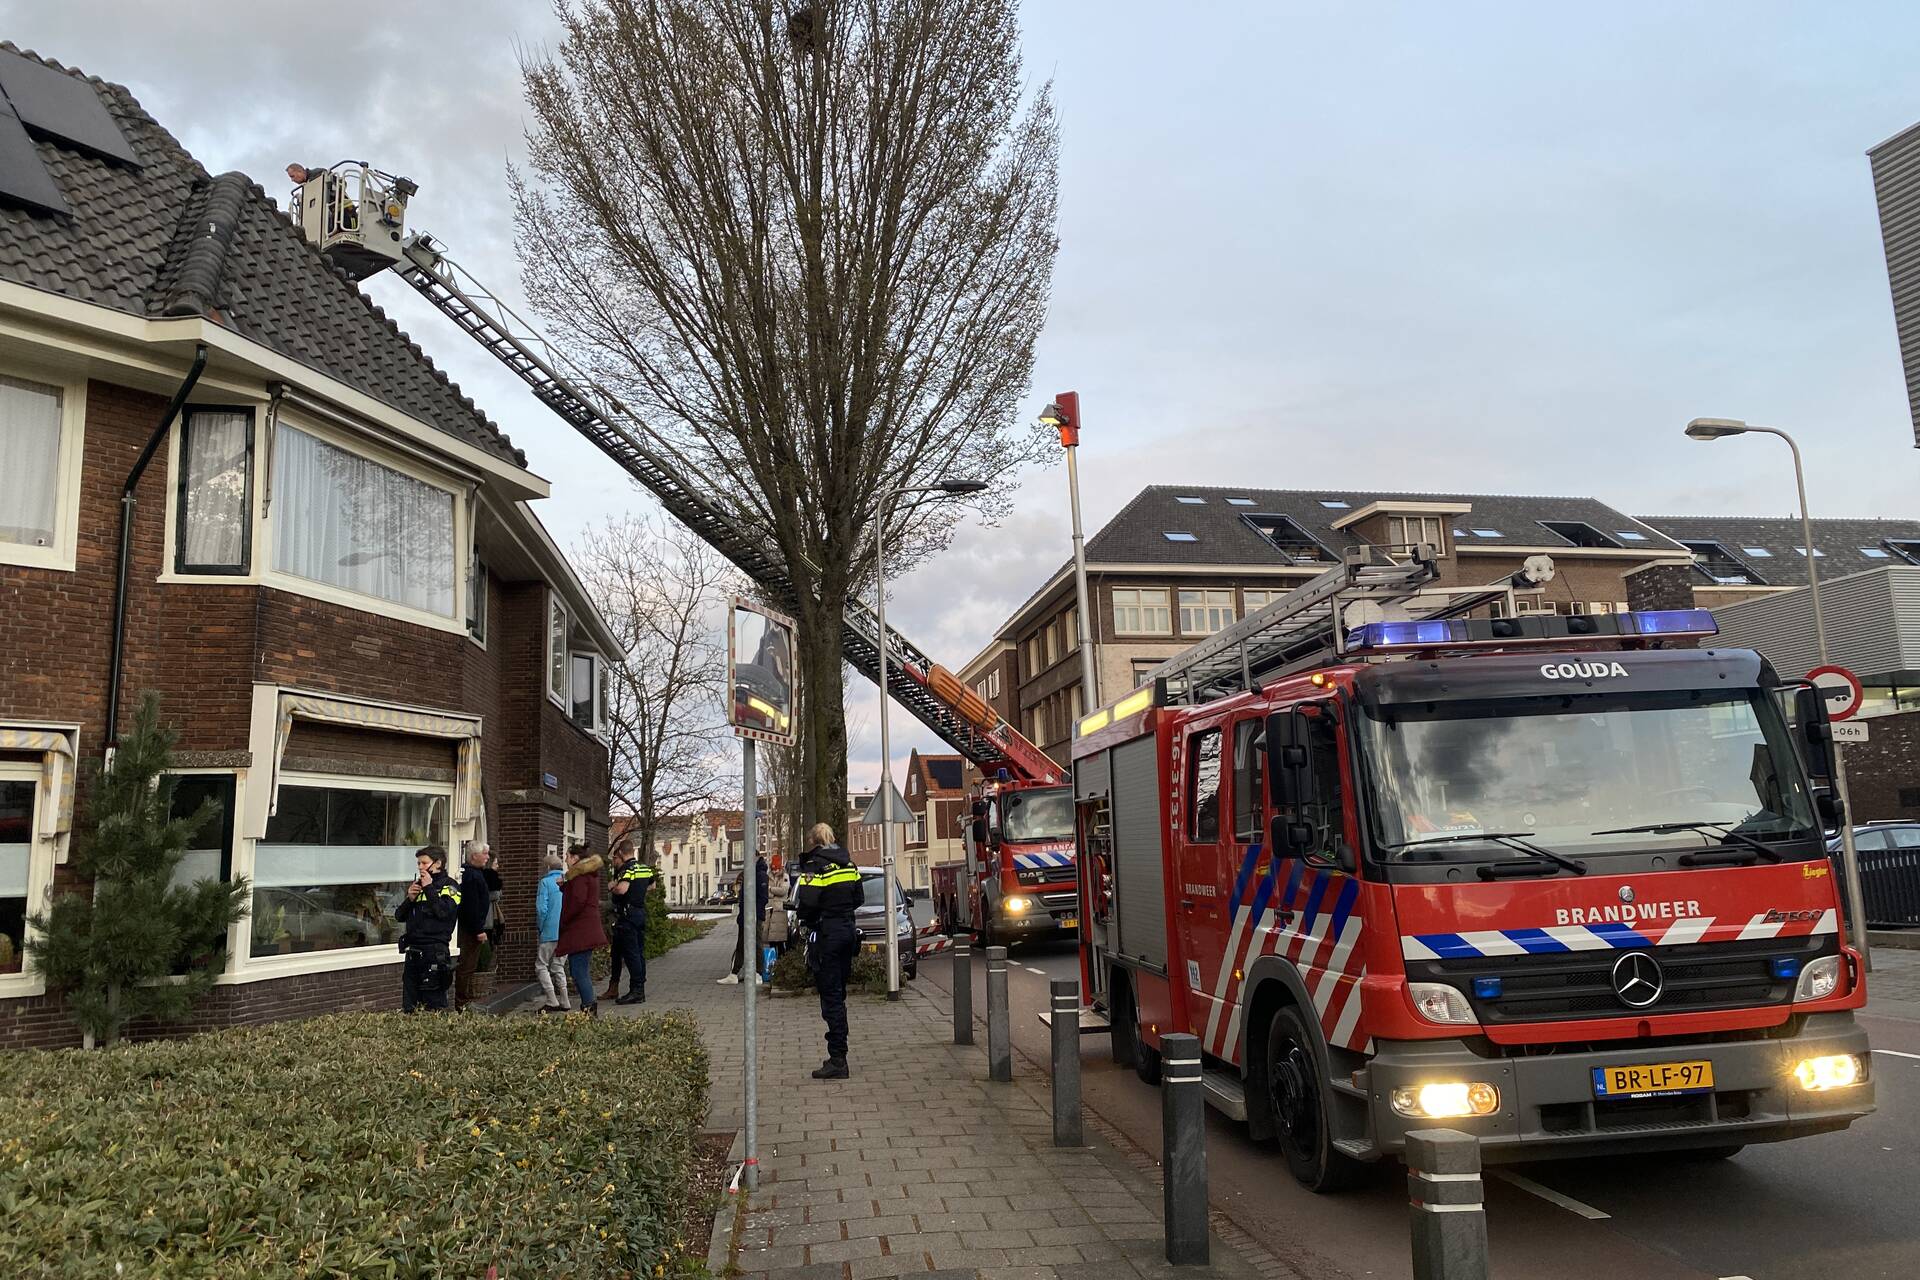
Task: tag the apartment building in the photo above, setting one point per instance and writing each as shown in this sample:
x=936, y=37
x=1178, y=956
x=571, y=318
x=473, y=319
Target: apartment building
x=1179, y=563
x=334, y=577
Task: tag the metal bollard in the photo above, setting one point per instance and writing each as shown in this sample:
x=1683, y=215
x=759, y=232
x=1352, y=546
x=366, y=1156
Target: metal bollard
x=962, y=988
x=1183, y=1151
x=999, y=1042
x=1449, y=1209
x=1066, y=1063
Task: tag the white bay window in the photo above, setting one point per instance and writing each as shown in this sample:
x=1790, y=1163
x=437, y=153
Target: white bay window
x=358, y=525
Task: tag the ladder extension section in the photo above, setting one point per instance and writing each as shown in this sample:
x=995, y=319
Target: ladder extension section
x=1302, y=628
x=559, y=385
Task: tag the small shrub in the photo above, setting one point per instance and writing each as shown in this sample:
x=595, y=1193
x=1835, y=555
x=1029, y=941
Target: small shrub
x=357, y=1145
x=790, y=972
x=869, y=974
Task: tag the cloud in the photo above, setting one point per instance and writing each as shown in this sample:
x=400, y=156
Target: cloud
x=1497, y=251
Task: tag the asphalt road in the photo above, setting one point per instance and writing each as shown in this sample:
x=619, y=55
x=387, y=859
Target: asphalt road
x=1841, y=1204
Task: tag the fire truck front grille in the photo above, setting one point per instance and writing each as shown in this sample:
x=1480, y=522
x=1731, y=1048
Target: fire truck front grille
x=1572, y=985
x=1060, y=902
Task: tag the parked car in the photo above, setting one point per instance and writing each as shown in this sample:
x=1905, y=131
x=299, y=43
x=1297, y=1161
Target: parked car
x=873, y=931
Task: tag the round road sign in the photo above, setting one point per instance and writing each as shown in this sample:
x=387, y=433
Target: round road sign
x=1841, y=689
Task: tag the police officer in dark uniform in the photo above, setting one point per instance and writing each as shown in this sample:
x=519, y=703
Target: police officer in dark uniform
x=430, y=912
x=631, y=879
x=830, y=892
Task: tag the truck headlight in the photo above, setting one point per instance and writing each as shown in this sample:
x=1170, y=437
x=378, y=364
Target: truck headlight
x=1440, y=1002
x=1446, y=1100
x=1819, y=979
x=1834, y=1071
x=1017, y=903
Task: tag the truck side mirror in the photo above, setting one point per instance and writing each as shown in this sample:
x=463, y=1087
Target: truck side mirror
x=1813, y=729
x=1290, y=780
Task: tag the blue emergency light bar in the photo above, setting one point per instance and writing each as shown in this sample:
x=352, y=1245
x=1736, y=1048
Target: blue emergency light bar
x=1452, y=633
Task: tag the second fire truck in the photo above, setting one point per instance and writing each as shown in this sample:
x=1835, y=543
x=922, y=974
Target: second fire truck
x=1559, y=882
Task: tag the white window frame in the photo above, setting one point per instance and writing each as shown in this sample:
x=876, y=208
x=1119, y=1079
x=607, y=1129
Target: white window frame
x=1212, y=602
x=244, y=968
x=598, y=724
x=1140, y=604
x=564, y=671
x=576, y=831
x=66, y=509
x=265, y=551
x=27, y=982
x=1397, y=532
x=993, y=684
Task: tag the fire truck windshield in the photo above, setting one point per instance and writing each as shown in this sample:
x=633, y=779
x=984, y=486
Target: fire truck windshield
x=1568, y=769
x=1045, y=813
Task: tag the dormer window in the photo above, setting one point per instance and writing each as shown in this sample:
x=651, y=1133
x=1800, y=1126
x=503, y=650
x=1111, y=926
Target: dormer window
x=1578, y=532
x=1717, y=565
x=1288, y=538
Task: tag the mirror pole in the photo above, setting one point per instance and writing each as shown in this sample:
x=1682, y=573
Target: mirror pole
x=887, y=908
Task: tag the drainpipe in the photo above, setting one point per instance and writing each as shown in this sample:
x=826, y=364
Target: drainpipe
x=126, y=540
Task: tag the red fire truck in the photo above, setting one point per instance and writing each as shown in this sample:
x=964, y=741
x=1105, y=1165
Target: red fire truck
x=1017, y=879
x=1560, y=882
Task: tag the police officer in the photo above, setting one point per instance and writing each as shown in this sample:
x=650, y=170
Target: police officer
x=830, y=892
x=631, y=880
x=430, y=911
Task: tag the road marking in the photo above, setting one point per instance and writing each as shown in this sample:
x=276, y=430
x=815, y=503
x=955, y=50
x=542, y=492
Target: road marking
x=1551, y=1196
x=1041, y=972
x=1895, y=1053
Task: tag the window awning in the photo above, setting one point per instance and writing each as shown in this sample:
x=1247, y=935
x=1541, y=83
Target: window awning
x=388, y=719
x=57, y=778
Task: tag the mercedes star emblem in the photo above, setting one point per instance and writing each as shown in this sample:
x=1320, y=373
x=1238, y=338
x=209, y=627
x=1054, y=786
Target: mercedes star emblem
x=1637, y=979
x=1626, y=893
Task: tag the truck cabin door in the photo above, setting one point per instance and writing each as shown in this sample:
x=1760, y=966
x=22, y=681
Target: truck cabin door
x=1199, y=858
x=1317, y=927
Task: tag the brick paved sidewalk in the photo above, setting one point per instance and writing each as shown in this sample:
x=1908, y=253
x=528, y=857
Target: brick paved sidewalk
x=918, y=1165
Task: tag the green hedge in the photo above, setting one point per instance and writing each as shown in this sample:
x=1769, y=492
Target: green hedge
x=357, y=1145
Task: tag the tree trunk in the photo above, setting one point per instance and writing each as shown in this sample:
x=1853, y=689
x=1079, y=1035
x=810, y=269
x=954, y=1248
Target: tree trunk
x=823, y=727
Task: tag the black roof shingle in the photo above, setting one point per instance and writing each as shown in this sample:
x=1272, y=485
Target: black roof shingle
x=1217, y=521
x=168, y=239
x=1768, y=546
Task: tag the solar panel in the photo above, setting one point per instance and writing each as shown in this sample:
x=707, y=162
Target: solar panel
x=62, y=108
x=23, y=179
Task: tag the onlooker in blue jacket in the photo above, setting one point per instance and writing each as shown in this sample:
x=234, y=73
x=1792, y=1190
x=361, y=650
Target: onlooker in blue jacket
x=548, y=967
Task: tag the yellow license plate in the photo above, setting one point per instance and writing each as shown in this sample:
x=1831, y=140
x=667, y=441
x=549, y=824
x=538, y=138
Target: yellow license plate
x=1655, y=1079
x=1069, y=922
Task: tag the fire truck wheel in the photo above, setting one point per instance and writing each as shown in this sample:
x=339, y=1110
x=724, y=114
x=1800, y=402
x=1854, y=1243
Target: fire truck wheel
x=1297, y=1100
x=1129, y=1049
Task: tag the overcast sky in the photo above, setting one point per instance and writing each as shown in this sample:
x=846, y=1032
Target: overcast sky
x=1496, y=247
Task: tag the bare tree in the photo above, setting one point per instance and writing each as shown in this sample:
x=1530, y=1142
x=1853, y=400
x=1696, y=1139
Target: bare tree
x=662, y=590
x=813, y=244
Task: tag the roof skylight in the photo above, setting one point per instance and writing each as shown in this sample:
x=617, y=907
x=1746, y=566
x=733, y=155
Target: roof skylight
x=1175, y=535
x=1191, y=500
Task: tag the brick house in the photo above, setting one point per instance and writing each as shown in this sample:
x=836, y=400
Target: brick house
x=696, y=855
x=936, y=796
x=1177, y=564
x=334, y=579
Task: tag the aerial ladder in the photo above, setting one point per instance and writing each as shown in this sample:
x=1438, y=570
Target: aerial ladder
x=371, y=236
x=1308, y=626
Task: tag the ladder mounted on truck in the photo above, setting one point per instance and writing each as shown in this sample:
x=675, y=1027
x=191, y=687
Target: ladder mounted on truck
x=1308, y=626
x=913, y=679
x=1305, y=627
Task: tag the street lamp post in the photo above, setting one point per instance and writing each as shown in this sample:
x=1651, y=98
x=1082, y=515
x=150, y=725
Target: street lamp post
x=1064, y=416
x=1715, y=429
x=888, y=877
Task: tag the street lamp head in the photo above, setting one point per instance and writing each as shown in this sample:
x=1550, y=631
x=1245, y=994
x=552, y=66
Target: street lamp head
x=1714, y=428
x=961, y=486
